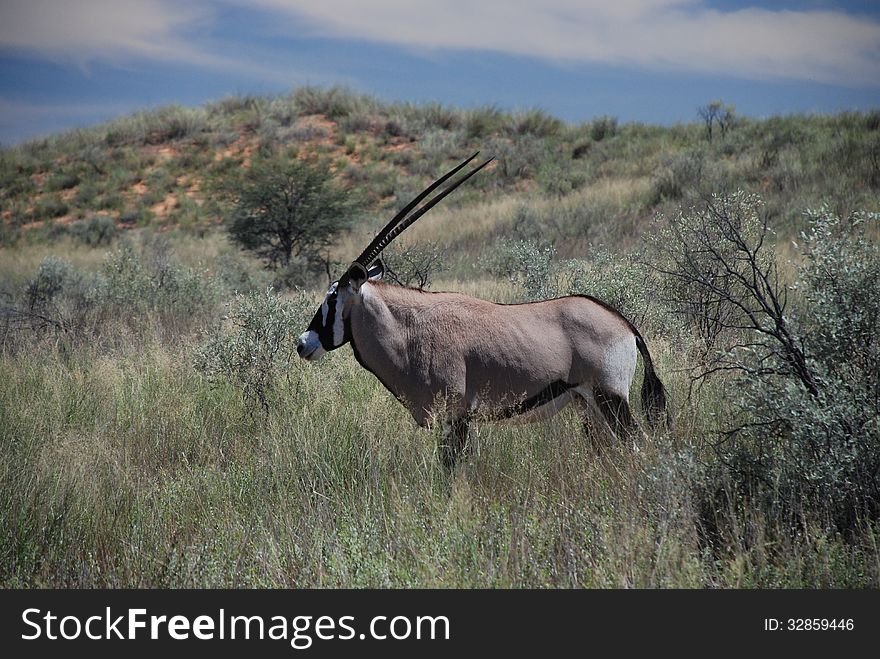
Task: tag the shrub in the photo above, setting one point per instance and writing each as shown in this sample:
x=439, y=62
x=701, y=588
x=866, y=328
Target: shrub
x=581, y=149
x=721, y=275
x=155, y=126
x=621, y=281
x=53, y=276
x=537, y=123
x=238, y=275
x=520, y=158
x=678, y=176
x=289, y=210
x=818, y=455
x=50, y=208
x=334, y=102
x=62, y=181
x=98, y=231
x=806, y=446
x=153, y=280
x=431, y=116
x=559, y=179
x=603, y=127
x=361, y=122
x=86, y=194
x=252, y=356
x=133, y=286
x=484, y=121
x=413, y=265
x=438, y=146
x=717, y=114
x=841, y=278
x=59, y=301
x=529, y=264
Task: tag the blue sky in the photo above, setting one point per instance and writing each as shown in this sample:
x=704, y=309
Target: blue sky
x=70, y=63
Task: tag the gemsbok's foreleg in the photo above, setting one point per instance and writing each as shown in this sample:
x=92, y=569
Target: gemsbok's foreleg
x=453, y=440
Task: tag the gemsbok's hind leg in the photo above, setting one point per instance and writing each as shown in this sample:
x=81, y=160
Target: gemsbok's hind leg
x=605, y=415
x=592, y=420
x=453, y=440
x=616, y=411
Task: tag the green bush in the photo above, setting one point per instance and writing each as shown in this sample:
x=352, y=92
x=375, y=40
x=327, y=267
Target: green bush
x=50, y=208
x=257, y=350
x=801, y=358
x=154, y=280
x=718, y=275
x=623, y=281
x=483, y=122
x=679, y=176
x=535, y=122
x=289, y=210
x=138, y=288
x=54, y=275
x=96, y=232
x=822, y=452
x=413, y=265
x=155, y=126
x=62, y=181
x=60, y=301
x=531, y=265
x=602, y=128
x=334, y=102
x=520, y=158
x=560, y=178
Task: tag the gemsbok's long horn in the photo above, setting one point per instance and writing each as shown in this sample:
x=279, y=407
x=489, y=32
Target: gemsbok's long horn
x=395, y=227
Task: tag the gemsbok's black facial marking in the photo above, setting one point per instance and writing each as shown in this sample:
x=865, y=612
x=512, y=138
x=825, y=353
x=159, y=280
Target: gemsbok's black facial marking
x=327, y=330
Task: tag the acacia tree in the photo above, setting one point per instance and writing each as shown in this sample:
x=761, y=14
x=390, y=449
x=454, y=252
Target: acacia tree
x=289, y=209
x=717, y=113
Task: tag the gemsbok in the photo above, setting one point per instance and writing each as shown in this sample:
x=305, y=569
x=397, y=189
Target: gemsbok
x=449, y=354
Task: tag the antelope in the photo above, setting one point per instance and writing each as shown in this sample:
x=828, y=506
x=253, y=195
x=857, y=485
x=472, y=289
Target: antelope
x=449, y=354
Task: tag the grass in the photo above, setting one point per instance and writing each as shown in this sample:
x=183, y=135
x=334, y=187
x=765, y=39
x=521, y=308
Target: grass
x=126, y=468
x=129, y=470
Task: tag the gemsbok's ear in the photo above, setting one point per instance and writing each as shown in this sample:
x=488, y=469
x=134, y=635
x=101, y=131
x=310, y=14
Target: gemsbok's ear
x=376, y=271
x=357, y=275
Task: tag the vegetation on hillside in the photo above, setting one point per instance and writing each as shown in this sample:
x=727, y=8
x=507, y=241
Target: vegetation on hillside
x=174, y=167
x=157, y=429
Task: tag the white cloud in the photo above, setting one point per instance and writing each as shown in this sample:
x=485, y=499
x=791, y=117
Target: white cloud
x=83, y=31
x=668, y=35
x=675, y=35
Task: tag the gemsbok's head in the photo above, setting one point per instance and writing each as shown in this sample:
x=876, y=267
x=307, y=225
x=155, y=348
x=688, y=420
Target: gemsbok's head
x=329, y=328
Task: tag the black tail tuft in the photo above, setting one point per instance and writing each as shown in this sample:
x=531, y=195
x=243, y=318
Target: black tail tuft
x=653, y=391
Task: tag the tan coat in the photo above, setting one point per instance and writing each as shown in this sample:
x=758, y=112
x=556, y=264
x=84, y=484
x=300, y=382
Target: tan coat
x=470, y=353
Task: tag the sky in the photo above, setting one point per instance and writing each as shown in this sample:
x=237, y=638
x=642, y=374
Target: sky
x=73, y=63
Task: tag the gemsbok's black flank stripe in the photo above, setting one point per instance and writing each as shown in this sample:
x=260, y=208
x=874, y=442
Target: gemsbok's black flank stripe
x=551, y=392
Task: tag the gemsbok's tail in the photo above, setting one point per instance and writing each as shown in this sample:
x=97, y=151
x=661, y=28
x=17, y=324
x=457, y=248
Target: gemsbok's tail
x=653, y=391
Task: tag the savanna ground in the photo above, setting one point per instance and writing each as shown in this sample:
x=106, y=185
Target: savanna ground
x=157, y=429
